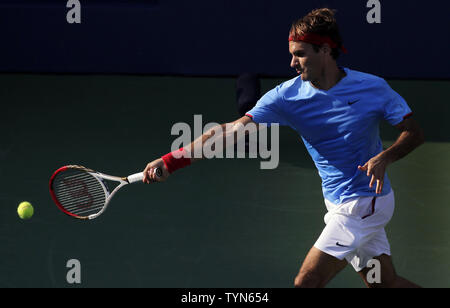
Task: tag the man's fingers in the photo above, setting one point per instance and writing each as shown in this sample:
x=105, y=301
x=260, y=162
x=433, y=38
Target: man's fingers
x=365, y=168
x=376, y=171
x=148, y=175
x=151, y=175
x=369, y=171
x=154, y=172
x=379, y=186
x=371, y=181
x=145, y=173
x=362, y=168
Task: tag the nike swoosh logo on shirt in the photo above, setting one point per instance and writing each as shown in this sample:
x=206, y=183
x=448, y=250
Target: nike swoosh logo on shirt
x=352, y=102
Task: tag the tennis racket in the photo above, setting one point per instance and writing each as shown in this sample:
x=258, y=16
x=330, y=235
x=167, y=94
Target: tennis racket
x=83, y=193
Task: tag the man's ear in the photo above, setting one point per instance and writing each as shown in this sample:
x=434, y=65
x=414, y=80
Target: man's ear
x=325, y=48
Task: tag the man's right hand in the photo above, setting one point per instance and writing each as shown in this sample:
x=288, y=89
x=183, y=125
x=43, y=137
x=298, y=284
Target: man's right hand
x=150, y=172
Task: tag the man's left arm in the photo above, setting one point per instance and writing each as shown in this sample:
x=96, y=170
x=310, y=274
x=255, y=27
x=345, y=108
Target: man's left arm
x=411, y=136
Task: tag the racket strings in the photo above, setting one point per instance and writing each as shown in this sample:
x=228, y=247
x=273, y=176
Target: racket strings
x=79, y=192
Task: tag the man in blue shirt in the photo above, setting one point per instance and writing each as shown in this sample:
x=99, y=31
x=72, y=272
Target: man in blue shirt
x=337, y=112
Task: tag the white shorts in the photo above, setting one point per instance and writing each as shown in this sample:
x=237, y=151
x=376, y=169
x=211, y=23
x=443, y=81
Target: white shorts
x=355, y=229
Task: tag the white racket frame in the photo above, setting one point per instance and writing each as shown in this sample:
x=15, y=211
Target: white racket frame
x=122, y=182
x=133, y=178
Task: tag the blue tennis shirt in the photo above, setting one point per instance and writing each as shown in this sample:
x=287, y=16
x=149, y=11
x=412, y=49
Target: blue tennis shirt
x=339, y=127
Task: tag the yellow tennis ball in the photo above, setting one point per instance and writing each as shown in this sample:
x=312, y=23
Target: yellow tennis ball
x=25, y=210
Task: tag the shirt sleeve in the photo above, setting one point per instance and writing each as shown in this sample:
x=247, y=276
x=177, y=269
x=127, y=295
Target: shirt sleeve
x=268, y=109
x=395, y=108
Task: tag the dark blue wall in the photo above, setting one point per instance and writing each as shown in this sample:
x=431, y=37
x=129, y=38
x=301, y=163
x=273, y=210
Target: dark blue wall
x=216, y=37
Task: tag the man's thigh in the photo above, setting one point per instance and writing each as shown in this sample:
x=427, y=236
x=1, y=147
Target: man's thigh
x=387, y=273
x=388, y=276
x=318, y=269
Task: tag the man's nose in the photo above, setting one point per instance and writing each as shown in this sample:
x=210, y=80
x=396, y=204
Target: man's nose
x=294, y=62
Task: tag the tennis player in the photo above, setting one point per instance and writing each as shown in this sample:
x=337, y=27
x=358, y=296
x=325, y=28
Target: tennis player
x=337, y=112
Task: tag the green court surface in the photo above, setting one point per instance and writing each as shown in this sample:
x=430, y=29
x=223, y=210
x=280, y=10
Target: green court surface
x=218, y=223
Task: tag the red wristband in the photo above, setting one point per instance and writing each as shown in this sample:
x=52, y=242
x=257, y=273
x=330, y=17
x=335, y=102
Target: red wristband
x=172, y=163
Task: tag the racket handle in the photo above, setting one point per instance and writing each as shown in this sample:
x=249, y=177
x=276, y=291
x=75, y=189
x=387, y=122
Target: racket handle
x=135, y=177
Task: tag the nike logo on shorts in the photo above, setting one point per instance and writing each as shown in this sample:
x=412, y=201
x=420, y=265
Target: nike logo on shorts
x=340, y=245
x=352, y=102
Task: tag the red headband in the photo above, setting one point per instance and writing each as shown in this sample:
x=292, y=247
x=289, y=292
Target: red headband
x=316, y=39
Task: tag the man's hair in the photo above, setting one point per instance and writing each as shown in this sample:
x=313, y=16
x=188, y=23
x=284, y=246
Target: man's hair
x=321, y=22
